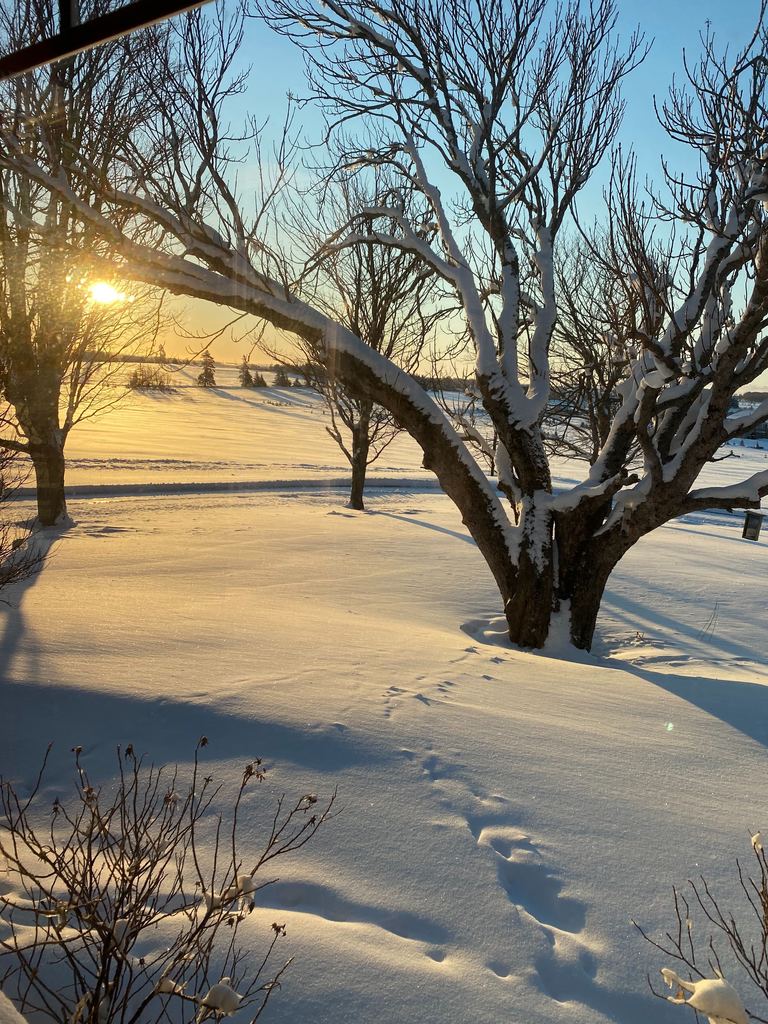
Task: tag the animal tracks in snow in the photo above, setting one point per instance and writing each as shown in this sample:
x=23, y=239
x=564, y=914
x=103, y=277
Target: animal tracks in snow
x=395, y=697
x=535, y=889
x=392, y=699
x=529, y=882
x=525, y=875
x=439, y=689
x=521, y=866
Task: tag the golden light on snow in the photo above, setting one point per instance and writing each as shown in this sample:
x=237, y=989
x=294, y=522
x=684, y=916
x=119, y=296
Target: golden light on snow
x=102, y=291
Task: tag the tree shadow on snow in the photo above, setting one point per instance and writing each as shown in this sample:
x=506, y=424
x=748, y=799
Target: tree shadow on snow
x=641, y=616
x=741, y=704
x=164, y=729
x=427, y=526
x=264, y=399
x=14, y=626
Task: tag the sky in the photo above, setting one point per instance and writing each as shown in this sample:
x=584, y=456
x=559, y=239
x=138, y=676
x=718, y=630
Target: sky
x=671, y=26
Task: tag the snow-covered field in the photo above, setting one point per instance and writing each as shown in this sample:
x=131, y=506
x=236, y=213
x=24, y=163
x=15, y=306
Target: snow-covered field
x=233, y=435
x=503, y=815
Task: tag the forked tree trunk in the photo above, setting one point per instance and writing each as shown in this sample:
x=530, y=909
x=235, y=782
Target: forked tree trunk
x=538, y=597
x=564, y=572
x=48, y=462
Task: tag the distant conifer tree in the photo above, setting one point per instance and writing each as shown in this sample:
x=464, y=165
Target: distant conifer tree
x=246, y=380
x=206, y=379
x=282, y=380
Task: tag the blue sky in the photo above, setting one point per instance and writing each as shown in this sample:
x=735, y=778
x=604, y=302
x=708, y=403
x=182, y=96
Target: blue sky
x=672, y=26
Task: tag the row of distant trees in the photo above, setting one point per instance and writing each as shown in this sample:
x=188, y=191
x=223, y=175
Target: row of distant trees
x=248, y=376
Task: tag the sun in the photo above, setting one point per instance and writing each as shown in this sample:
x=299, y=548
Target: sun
x=102, y=291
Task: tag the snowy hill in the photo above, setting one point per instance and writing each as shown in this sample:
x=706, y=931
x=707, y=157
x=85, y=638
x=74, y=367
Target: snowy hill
x=223, y=434
x=504, y=815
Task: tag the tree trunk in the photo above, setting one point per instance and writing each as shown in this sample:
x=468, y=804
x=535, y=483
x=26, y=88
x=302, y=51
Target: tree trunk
x=360, y=449
x=586, y=562
x=359, y=467
x=584, y=606
x=529, y=610
x=562, y=570
x=48, y=461
x=535, y=601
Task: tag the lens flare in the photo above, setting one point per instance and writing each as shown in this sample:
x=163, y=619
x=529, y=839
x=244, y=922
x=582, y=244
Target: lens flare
x=102, y=291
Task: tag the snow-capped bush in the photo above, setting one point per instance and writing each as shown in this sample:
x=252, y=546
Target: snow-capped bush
x=713, y=942
x=125, y=902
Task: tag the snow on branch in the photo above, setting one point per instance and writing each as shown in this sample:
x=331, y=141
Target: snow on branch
x=591, y=492
x=746, y=494
x=737, y=426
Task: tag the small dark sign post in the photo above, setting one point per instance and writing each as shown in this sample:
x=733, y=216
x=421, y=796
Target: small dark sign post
x=752, y=523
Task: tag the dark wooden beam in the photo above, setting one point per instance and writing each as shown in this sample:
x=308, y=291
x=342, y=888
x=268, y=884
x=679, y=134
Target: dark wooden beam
x=76, y=36
x=69, y=14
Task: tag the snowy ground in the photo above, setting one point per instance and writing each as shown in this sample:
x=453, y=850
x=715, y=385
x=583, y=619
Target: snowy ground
x=227, y=435
x=504, y=814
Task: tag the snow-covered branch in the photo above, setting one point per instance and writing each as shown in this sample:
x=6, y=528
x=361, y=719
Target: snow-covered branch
x=746, y=494
x=738, y=426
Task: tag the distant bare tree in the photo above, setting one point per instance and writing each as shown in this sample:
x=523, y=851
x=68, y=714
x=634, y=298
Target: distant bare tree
x=589, y=355
x=388, y=299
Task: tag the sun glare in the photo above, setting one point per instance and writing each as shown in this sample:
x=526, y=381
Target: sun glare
x=101, y=291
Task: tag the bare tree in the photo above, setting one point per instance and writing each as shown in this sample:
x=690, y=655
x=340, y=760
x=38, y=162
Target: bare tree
x=60, y=340
x=386, y=298
x=519, y=113
x=589, y=354
x=498, y=119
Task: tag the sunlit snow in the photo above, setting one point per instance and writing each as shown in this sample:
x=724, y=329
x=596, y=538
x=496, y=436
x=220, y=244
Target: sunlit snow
x=504, y=815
